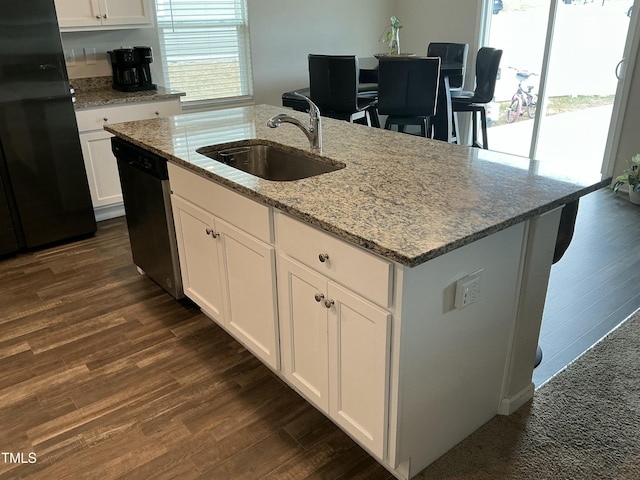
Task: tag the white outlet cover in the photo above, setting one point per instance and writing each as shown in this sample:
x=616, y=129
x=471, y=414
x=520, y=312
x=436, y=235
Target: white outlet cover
x=70, y=58
x=467, y=290
x=90, y=55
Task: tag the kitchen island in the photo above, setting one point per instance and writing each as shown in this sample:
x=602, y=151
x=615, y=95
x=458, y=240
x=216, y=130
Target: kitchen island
x=402, y=294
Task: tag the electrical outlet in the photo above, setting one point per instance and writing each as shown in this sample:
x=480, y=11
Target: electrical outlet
x=70, y=58
x=468, y=290
x=90, y=55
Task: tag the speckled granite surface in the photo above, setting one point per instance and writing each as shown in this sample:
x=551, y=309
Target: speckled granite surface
x=97, y=92
x=407, y=198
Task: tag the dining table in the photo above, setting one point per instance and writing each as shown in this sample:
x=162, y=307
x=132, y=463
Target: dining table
x=368, y=80
x=443, y=121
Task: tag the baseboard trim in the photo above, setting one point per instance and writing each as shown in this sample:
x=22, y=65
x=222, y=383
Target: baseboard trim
x=109, y=212
x=511, y=404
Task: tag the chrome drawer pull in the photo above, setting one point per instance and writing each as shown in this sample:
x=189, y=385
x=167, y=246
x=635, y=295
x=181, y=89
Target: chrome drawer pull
x=319, y=297
x=323, y=257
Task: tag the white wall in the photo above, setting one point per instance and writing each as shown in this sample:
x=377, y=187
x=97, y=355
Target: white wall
x=438, y=21
x=284, y=32
x=103, y=41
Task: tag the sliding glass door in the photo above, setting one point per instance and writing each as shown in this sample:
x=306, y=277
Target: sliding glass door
x=558, y=81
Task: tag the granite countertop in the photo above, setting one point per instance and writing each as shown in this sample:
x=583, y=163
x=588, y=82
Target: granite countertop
x=98, y=92
x=407, y=198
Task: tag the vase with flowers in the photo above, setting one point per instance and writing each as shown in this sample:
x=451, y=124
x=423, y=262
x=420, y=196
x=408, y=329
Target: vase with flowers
x=391, y=36
x=630, y=176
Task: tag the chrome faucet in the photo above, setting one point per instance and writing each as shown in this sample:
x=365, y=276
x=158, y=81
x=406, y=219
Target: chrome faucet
x=313, y=131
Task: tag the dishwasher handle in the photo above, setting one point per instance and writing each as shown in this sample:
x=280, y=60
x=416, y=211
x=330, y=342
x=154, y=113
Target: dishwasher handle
x=139, y=158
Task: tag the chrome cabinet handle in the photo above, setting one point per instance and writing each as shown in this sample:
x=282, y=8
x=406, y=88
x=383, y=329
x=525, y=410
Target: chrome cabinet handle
x=319, y=297
x=157, y=113
x=329, y=303
x=98, y=17
x=323, y=257
x=105, y=119
x=212, y=232
x=104, y=16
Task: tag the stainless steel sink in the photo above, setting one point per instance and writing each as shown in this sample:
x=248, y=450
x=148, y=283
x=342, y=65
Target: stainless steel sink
x=271, y=162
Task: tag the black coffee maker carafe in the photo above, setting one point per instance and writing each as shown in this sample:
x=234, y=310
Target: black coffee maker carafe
x=131, y=72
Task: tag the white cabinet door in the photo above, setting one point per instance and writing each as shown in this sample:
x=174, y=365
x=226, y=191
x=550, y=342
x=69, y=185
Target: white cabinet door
x=199, y=254
x=303, y=330
x=102, y=169
x=335, y=350
x=101, y=165
x=249, y=269
x=78, y=13
x=359, y=352
x=125, y=12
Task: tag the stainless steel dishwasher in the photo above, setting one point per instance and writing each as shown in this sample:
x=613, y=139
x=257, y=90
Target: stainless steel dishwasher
x=147, y=202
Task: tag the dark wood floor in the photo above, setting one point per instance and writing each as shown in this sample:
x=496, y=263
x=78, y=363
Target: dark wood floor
x=596, y=285
x=103, y=375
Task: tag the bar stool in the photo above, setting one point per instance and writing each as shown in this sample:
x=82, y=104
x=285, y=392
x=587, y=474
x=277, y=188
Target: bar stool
x=487, y=64
x=451, y=53
x=333, y=87
x=408, y=91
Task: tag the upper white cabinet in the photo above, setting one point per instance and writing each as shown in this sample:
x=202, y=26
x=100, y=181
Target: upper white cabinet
x=103, y=14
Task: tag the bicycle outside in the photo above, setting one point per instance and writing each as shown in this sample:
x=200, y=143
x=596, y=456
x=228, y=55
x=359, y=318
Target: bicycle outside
x=522, y=99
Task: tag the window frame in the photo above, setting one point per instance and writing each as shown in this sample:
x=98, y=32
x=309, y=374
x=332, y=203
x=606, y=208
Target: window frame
x=239, y=21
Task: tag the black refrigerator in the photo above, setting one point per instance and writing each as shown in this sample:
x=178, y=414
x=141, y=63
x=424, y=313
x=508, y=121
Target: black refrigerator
x=44, y=193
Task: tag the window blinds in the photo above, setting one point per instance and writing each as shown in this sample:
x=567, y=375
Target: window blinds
x=205, y=49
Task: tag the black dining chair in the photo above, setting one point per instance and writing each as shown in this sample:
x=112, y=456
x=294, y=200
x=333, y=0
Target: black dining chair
x=333, y=87
x=408, y=91
x=487, y=64
x=451, y=53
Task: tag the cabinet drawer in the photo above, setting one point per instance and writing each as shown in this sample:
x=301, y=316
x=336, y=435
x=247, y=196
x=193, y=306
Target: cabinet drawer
x=351, y=266
x=95, y=118
x=240, y=211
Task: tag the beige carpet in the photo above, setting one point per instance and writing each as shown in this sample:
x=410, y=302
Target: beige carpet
x=583, y=424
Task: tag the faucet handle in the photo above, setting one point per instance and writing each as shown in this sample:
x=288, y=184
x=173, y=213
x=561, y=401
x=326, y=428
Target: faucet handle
x=314, y=111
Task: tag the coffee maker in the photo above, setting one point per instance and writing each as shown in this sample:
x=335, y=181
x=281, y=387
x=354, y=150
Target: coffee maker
x=131, y=72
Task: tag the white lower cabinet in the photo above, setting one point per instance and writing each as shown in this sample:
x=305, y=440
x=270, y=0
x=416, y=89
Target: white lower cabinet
x=251, y=299
x=378, y=347
x=102, y=171
x=100, y=164
x=335, y=350
x=304, y=330
x=327, y=341
x=230, y=275
x=199, y=254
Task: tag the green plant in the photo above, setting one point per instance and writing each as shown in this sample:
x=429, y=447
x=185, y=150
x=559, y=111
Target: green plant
x=630, y=175
x=386, y=34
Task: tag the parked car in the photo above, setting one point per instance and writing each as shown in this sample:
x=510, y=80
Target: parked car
x=497, y=6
